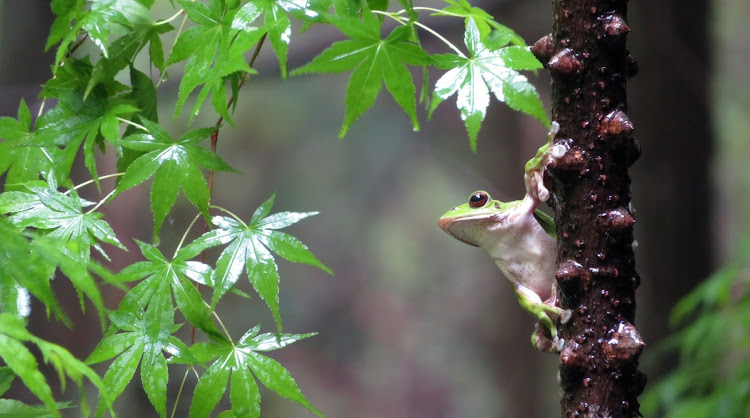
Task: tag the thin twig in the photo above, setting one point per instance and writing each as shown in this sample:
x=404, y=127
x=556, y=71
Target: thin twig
x=214, y=142
x=77, y=44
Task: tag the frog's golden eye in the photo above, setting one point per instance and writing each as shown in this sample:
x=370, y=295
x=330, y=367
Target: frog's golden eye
x=478, y=199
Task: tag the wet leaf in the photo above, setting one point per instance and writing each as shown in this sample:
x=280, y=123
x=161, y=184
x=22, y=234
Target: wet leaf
x=174, y=165
x=485, y=71
x=215, y=48
x=250, y=249
x=373, y=60
x=21, y=361
x=244, y=365
x=484, y=22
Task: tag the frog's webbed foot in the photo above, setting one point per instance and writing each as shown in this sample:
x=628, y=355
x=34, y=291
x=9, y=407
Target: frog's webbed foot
x=544, y=338
x=541, y=342
x=533, y=176
x=563, y=314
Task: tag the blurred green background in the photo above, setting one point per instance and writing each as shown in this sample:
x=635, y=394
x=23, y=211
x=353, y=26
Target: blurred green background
x=413, y=323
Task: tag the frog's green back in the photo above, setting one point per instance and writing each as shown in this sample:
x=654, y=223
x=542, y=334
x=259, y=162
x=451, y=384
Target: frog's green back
x=547, y=223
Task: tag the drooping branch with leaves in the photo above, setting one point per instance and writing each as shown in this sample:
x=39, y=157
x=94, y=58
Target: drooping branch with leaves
x=106, y=100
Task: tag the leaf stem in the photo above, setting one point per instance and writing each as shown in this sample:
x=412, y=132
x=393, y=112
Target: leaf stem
x=130, y=122
x=86, y=183
x=236, y=218
x=176, y=15
x=101, y=202
x=179, y=31
x=179, y=392
x=41, y=107
x=218, y=319
x=184, y=236
x=404, y=21
x=430, y=9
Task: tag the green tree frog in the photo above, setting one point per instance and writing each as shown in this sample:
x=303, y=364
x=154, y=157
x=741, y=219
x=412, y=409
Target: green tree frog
x=521, y=240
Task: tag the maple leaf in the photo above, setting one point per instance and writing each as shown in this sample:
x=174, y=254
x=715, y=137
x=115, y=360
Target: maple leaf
x=485, y=23
x=61, y=219
x=178, y=272
x=24, y=271
x=276, y=21
x=374, y=61
x=61, y=215
x=483, y=71
x=249, y=248
x=215, y=48
x=23, y=162
x=146, y=318
x=22, y=363
x=174, y=165
x=240, y=361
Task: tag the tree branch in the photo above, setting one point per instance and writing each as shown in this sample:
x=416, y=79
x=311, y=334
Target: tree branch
x=589, y=64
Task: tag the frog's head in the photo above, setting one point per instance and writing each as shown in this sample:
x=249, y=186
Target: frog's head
x=472, y=222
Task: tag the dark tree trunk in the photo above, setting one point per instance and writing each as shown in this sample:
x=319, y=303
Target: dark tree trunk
x=589, y=64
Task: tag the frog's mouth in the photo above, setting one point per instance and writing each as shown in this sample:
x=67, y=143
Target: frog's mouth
x=449, y=226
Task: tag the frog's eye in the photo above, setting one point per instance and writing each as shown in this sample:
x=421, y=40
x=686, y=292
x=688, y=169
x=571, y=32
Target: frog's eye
x=478, y=199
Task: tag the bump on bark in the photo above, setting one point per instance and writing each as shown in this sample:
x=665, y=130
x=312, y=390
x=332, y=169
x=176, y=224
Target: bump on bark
x=544, y=48
x=612, y=28
x=565, y=64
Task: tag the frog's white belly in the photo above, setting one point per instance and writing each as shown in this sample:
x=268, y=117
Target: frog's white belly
x=526, y=255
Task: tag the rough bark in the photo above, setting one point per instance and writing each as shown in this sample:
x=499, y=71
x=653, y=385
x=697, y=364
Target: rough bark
x=589, y=64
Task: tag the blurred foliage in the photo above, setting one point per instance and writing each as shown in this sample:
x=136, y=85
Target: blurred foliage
x=713, y=345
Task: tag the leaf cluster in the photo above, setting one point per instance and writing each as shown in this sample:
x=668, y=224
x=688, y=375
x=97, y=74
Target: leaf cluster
x=490, y=65
x=105, y=100
x=47, y=229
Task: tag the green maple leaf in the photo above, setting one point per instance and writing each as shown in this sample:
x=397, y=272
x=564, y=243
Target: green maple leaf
x=242, y=363
x=62, y=216
x=72, y=17
x=276, y=22
x=485, y=23
x=99, y=21
x=374, y=61
x=24, y=271
x=78, y=120
x=146, y=317
x=23, y=163
x=250, y=249
x=69, y=233
x=483, y=71
x=21, y=361
x=174, y=165
x=178, y=273
x=216, y=48
x=142, y=30
x=14, y=408
x=143, y=95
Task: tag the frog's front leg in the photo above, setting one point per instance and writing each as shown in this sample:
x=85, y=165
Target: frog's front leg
x=533, y=172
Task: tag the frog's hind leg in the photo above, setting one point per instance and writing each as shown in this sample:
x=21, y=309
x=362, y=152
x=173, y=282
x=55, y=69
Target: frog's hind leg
x=532, y=303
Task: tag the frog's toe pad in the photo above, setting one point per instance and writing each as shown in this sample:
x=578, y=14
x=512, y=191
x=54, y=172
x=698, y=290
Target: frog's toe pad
x=565, y=316
x=558, y=344
x=558, y=151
